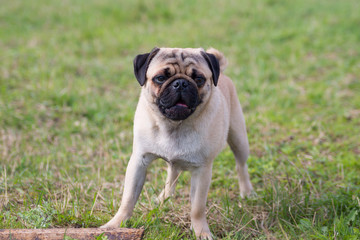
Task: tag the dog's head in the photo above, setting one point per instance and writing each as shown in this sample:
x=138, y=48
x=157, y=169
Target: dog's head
x=177, y=80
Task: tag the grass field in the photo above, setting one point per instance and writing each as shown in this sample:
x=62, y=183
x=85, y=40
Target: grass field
x=68, y=96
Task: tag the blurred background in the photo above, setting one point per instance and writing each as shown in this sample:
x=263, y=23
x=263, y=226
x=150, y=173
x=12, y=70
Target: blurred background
x=68, y=96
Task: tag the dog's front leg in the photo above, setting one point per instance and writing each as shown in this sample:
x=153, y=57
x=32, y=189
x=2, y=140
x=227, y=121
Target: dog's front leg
x=134, y=181
x=170, y=185
x=200, y=183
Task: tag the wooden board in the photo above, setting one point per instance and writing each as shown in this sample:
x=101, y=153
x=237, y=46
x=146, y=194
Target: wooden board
x=76, y=233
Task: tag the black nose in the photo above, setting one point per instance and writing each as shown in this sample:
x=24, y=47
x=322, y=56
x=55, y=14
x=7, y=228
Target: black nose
x=180, y=84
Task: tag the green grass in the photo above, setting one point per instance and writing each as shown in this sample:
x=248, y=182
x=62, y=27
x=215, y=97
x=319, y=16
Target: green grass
x=68, y=96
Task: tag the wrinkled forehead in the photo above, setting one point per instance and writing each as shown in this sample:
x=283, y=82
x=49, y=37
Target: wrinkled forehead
x=177, y=60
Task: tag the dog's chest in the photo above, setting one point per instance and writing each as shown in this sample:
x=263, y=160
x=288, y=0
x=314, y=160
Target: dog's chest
x=183, y=147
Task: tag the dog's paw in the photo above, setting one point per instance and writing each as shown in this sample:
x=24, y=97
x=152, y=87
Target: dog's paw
x=160, y=199
x=110, y=225
x=249, y=195
x=252, y=195
x=246, y=189
x=201, y=231
x=205, y=236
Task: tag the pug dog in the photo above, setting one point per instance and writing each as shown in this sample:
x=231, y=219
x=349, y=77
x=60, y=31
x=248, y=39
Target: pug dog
x=187, y=111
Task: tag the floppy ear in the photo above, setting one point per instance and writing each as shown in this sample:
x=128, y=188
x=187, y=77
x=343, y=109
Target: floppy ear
x=213, y=65
x=141, y=64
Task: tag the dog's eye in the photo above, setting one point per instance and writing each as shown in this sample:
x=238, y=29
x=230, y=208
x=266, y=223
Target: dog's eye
x=199, y=80
x=159, y=79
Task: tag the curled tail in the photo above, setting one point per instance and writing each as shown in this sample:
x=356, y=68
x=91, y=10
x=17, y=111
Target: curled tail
x=220, y=57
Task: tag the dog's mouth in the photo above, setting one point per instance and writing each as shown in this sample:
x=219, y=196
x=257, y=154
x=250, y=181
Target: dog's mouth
x=181, y=103
x=180, y=110
x=178, y=103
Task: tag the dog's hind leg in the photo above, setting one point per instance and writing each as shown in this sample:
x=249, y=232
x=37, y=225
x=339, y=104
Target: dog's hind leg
x=238, y=142
x=170, y=185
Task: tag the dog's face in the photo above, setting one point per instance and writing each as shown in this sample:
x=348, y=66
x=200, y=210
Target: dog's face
x=177, y=80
